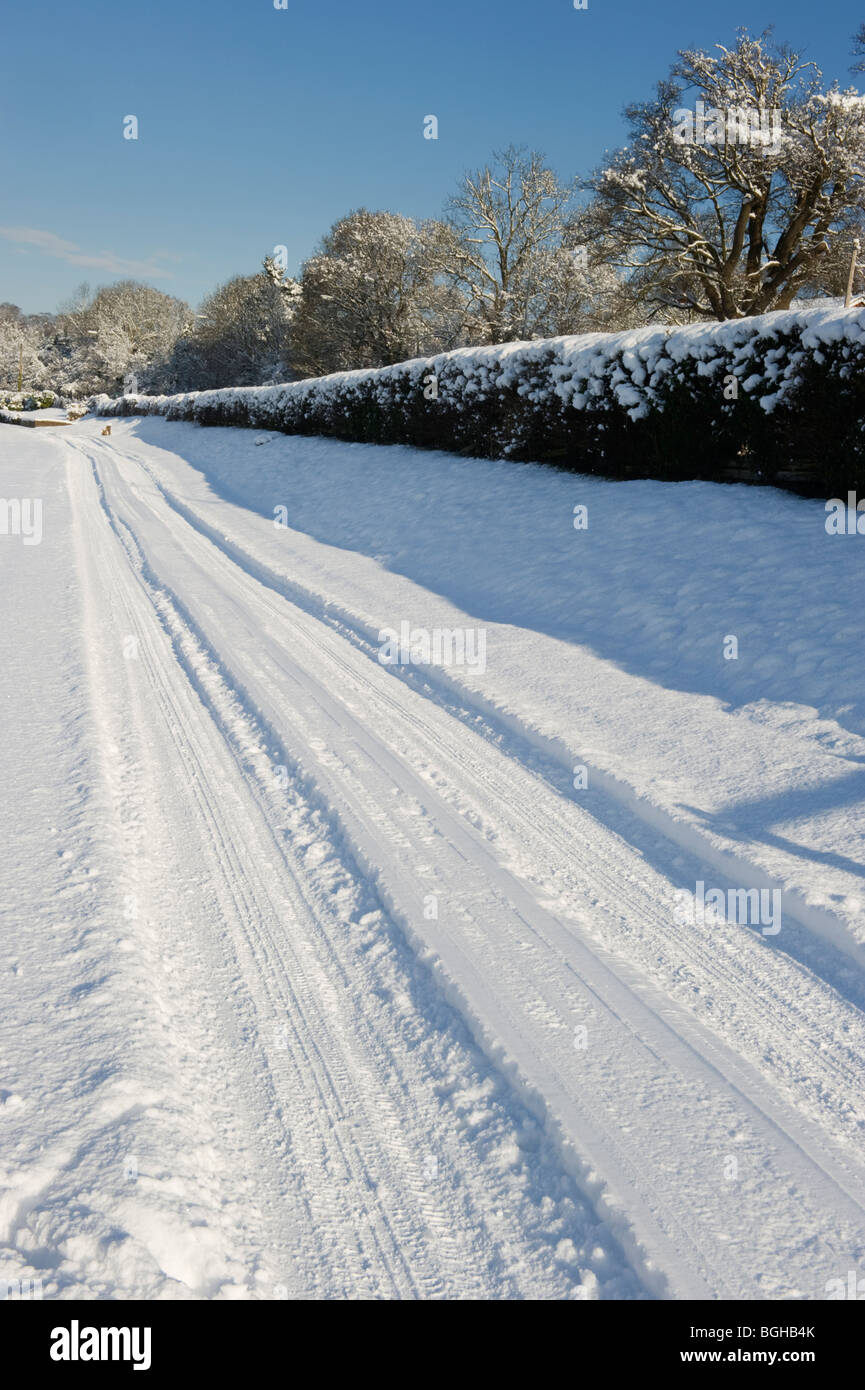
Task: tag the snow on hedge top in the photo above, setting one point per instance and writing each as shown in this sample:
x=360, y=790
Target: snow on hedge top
x=579, y=370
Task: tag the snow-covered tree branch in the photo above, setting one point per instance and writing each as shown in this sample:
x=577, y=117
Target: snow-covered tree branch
x=740, y=177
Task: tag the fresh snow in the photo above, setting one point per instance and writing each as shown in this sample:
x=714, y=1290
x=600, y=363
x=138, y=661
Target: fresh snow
x=322, y=978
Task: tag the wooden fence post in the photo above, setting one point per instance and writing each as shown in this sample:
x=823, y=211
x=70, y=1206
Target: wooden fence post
x=849, y=294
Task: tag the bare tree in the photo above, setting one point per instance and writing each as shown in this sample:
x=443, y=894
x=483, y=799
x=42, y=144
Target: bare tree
x=859, y=49
x=728, y=206
x=505, y=246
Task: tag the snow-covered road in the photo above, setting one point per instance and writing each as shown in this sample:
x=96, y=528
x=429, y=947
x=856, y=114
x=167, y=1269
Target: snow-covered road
x=321, y=979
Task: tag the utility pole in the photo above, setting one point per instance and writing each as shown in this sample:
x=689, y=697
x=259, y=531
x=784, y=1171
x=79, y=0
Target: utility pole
x=20, y=365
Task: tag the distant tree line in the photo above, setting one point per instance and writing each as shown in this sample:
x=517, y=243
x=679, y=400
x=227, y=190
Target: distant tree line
x=697, y=217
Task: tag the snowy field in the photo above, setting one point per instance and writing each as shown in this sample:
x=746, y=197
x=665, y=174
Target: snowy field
x=528, y=963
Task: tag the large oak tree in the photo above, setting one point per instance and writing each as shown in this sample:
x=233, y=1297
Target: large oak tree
x=742, y=225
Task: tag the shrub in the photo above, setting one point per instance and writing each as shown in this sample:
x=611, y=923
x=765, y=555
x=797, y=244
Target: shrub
x=777, y=398
x=24, y=400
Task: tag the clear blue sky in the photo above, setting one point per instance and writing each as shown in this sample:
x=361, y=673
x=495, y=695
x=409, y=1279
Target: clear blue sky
x=260, y=127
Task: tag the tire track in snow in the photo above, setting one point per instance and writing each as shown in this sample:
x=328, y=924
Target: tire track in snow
x=844, y=973
x=682, y=1061
x=552, y=762
x=365, y=1219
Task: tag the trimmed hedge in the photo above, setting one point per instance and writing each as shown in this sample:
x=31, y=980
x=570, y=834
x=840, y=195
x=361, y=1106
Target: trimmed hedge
x=775, y=399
